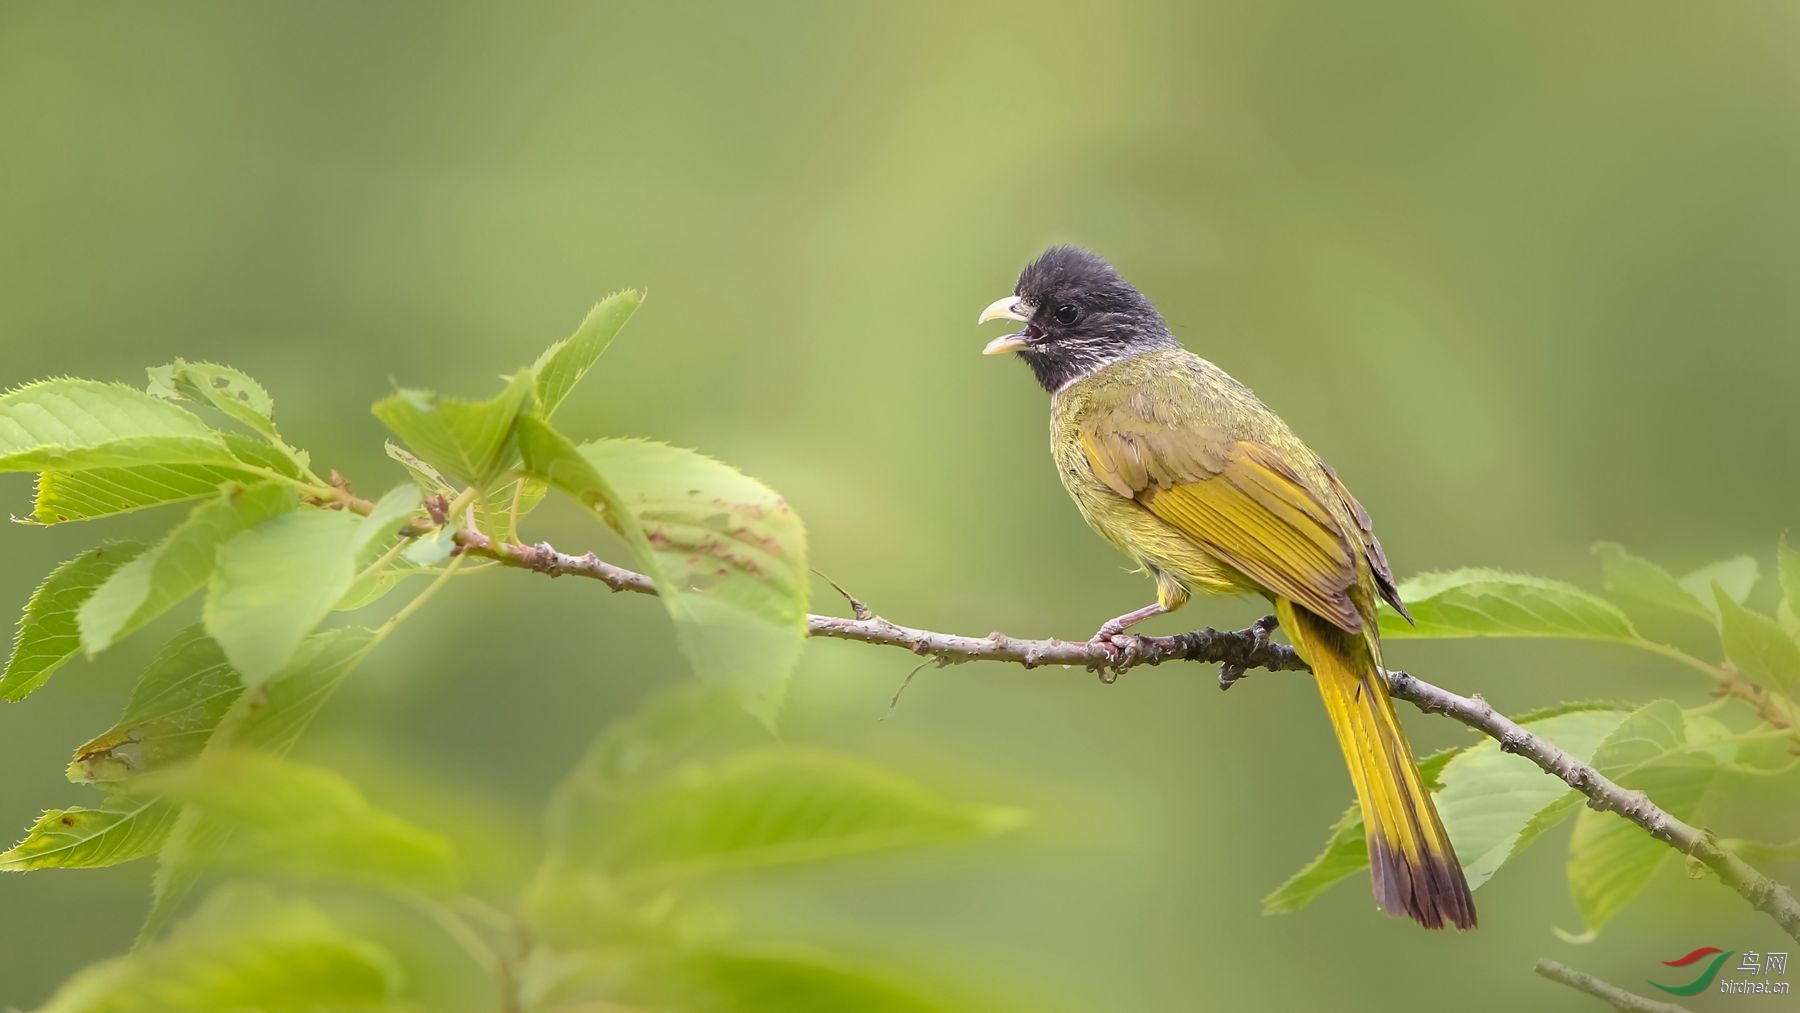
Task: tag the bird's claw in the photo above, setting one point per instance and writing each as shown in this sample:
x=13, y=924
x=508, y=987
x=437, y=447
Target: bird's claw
x=1230, y=673
x=1258, y=633
x=1122, y=651
x=1107, y=670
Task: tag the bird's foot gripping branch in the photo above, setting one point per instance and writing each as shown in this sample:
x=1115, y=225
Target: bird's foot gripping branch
x=275, y=553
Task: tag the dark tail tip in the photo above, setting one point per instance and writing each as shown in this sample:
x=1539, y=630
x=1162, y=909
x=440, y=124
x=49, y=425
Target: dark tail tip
x=1430, y=891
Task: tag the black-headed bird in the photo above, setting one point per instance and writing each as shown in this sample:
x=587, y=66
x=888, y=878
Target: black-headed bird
x=1188, y=473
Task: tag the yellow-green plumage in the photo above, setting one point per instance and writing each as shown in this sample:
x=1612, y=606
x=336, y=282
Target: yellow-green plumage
x=1187, y=472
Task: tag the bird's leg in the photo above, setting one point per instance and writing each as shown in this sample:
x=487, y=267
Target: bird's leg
x=1103, y=638
x=1258, y=633
x=1117, y=625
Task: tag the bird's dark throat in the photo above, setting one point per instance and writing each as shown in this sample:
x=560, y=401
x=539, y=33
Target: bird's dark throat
x=1056, y=364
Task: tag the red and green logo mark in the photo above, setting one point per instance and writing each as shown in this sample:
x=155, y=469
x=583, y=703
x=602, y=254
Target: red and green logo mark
x=1707, y=975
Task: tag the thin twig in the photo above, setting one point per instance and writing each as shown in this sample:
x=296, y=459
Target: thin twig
x=1235, y=651
x=1625, y=1002
x=1764, y=894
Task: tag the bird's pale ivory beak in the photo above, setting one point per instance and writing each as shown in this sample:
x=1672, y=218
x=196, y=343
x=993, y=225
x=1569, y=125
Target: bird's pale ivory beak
x=1010, y=308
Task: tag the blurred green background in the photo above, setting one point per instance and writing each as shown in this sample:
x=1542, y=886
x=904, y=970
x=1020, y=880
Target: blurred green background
x=1523, y=272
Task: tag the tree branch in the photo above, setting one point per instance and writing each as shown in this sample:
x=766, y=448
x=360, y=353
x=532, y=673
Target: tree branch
x=1236, y=651
x=1625, y=1002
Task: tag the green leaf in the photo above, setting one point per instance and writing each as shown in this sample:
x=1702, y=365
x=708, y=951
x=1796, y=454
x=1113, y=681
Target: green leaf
x=257, y=454
x=386, y=517
x=158, y=580
x=1489, y=603
x=48, y=634
x=1787, y=561
x=768, y=807
x=498, y=509
x=1346, y=852
x=371, y=587
x=276, y=582
x=1764, y=652
x=1761, y=853
x=451, y=961
x=271, y=720
x=1569, y=707
x=675, y=727
x=753, y=981
x=429, y=480
x=108, y=492
x=563, y=364
x=1735, y=577
x=174, y=710
x=1494, y=805
x=245, y=949
x=127, y=828
x=274, y=719
x=230, y=391
x=468, y=440
x=1610, y=858
x=432, y=549
x=727, y=553
x=75, y=424
x=571, y=902
x=175, y=707
x=1628, y=576
x=1758, y=757
x=391, y=513
x=274, y=815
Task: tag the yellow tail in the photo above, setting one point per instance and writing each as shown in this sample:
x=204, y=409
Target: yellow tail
x=1413, y=868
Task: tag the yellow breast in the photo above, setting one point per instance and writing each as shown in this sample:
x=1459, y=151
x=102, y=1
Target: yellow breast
x=1180, y=566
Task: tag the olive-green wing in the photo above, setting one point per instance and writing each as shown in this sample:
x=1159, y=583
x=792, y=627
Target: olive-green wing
x=1237, y=499
x=1372, y=550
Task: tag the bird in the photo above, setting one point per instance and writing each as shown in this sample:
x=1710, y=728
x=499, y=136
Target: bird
x=1191, y=475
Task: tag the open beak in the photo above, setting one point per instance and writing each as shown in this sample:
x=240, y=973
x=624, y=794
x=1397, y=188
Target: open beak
x=1010, y=308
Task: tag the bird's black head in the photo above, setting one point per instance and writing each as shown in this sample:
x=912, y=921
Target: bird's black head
x=1079, y=315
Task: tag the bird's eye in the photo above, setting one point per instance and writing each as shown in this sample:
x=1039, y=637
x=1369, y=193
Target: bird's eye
x=1067, y=314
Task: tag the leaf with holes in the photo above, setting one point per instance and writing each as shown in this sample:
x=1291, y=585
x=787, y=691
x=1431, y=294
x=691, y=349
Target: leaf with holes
x=126, y=828
x=230, y=391
x=727, y=553
x=48, y=633
x=174, y=709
